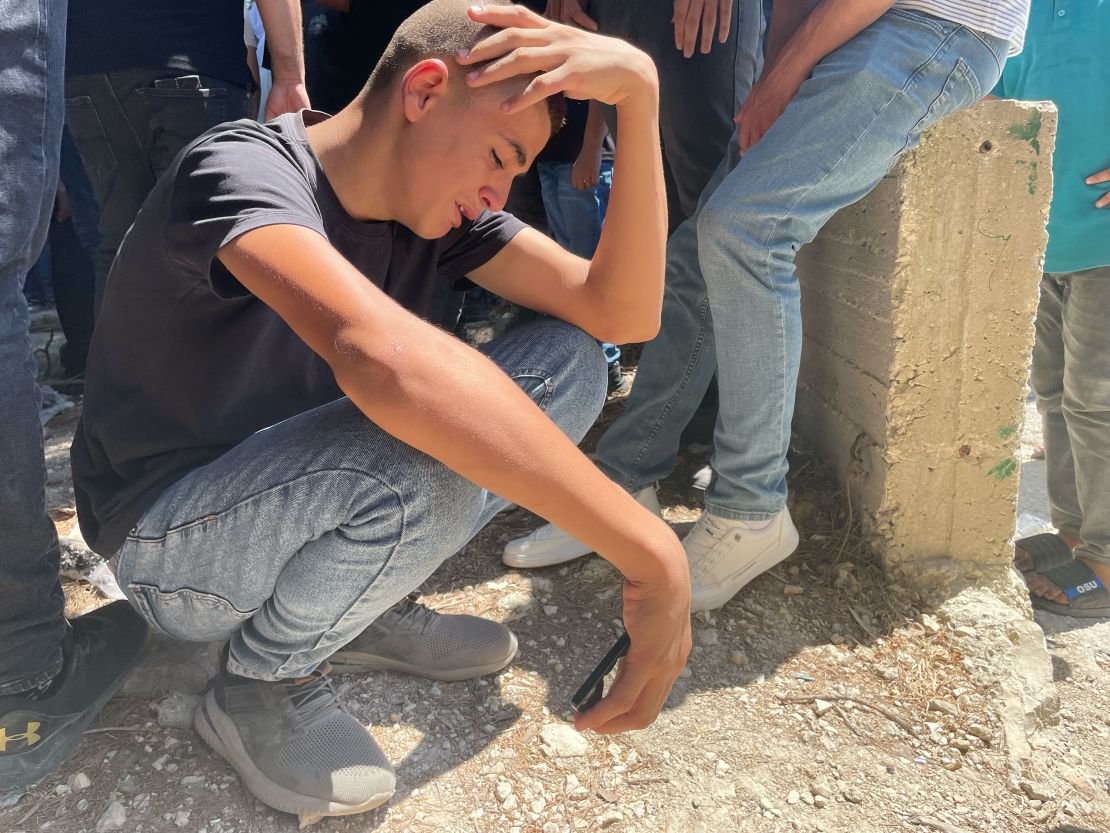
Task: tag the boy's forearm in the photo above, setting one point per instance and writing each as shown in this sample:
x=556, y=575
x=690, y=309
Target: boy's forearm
x=627, y=268
x=446, y=399
x=284, y=41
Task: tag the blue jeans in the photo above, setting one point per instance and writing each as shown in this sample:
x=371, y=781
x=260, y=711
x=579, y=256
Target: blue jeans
x=295, y=540
x=575, y=215
x=731, y=303
x=32, y=48
x=1071, y=377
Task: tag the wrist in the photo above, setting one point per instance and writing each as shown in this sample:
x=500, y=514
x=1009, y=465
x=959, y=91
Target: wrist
x=643, y=89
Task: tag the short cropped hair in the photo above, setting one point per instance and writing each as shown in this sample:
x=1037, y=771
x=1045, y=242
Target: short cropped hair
x=440, y=29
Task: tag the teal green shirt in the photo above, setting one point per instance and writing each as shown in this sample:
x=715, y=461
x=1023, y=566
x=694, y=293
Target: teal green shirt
x=1067, y=60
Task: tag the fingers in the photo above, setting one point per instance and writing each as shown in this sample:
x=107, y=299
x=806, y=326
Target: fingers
x=1105, y=201
x=690, y=32
x=634, y=702
x=725, y=21
x=505, y=16
x=537, y=90
x=500, y=44
x=1101, y=176
x=708, y=24
x=522, y=61
x=679, y=21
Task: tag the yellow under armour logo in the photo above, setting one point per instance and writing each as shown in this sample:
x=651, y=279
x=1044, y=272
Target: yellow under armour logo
x=31, y=736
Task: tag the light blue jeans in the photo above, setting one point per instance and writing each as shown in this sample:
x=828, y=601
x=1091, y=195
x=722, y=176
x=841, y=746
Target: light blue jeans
x=1071, y=377
x=731, y=303
x=292, y=542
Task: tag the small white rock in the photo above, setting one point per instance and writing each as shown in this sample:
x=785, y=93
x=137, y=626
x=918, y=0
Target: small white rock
x=78, y=781
x=113, y=818
x=562, y=741
x=822, y=707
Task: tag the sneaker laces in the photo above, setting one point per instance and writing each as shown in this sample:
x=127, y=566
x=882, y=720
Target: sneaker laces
x=410, y=614
x=704, y=542
x=314, y=698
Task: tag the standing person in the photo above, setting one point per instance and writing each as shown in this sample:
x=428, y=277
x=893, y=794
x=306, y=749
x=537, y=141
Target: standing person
x=849, y=86
x=54, y=676
x=144, y=79
x=1066, y=42
x=323, y=448
x=708, y=54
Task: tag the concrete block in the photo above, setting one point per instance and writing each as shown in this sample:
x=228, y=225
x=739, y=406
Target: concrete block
x=918, y=306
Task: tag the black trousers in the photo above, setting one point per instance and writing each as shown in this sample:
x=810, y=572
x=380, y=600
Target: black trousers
x=129, y=126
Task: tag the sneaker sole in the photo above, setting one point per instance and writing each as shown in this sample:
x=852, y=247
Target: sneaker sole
x=25, y=770
x=348, y=662
x=716, y=596
x=530, y=562
x=220, y=733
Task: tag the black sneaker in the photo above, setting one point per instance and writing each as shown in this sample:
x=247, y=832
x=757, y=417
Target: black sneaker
x=414, y=639
x=40, y=729
x=294, y=744
x=618, y=382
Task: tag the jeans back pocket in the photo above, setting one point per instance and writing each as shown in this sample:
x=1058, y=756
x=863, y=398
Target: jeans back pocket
x=186, y=614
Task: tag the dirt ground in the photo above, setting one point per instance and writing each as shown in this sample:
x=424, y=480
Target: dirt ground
x=819, y=699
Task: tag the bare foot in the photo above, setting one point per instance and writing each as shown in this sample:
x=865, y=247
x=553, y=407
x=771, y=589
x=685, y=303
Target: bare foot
x=1043, y=587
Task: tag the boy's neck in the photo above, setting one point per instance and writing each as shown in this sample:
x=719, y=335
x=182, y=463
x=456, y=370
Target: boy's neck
x=355, y=161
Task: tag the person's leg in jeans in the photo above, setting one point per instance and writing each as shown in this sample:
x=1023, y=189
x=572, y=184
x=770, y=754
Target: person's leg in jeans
x=862, y=107
x=677, y=366
x=128, y=131
x=53, y=678
x=295, y=541
x=1071, y=377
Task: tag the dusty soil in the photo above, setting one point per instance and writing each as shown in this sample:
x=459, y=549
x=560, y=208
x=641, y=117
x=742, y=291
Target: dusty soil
x=819, y=699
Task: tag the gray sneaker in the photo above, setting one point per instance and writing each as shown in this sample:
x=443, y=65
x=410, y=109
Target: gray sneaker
x=412, y=638
x=294, y=744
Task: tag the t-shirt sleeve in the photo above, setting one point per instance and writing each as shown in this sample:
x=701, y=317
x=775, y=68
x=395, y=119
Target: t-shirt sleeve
x=227, y=184
x=469, y=248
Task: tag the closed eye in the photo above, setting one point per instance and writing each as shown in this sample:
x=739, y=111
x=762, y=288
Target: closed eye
x=497, y=163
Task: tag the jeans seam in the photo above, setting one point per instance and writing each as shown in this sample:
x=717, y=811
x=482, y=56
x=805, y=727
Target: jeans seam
x=321, y=640
x=669, y=406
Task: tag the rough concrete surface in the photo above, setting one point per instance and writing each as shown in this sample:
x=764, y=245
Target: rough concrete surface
x=918, y=305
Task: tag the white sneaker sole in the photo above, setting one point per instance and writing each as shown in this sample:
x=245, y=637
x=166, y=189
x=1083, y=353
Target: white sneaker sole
x=718, y=594
x=220, y=733
x=352, y=662
x=529, y=561
x=548, y=554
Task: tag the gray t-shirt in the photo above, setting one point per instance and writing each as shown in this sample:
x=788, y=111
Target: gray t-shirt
x=185, y=363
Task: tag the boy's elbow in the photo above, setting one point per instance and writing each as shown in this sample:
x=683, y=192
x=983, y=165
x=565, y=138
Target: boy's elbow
x=629, y=329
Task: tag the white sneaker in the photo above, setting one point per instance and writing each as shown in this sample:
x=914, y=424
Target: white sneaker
x=550, y=545
x=725, y=555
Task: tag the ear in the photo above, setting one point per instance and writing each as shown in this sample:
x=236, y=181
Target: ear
x=424, y=86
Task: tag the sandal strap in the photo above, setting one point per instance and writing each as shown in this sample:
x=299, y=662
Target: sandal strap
x=1046, y=550
x=1078, y=582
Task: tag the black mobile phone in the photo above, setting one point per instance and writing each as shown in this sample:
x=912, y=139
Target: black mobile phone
x=592, y=690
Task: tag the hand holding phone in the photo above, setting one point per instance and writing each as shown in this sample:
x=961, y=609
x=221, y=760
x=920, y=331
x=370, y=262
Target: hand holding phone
x=593, y=689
